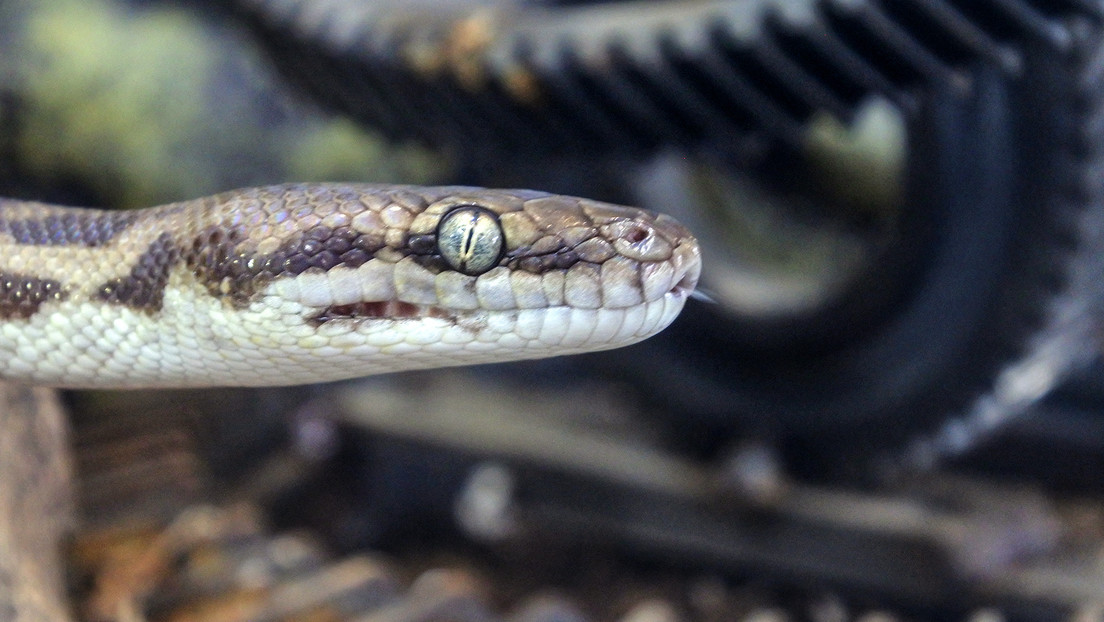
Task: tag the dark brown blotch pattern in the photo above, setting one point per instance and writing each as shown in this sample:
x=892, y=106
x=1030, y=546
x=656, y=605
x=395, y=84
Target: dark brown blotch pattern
x=323, y=248
x=71, y=228
x=231, y=269
x=21, y=296
x=144, y=288
x=215, y=258
x=226, y=268
x=542, y=257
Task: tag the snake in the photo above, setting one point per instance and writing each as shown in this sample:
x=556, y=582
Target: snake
x=317, y=282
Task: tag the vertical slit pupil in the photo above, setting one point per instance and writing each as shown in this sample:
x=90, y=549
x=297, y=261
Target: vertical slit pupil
x=469, y=240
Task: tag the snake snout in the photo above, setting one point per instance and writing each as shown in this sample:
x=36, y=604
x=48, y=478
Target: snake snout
x=685, y=285
x=685, y=258
x=687, y=269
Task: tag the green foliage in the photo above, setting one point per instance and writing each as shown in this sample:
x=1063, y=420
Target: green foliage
x=150, y=105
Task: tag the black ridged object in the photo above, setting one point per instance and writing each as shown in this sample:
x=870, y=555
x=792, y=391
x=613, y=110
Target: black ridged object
x=635, y=77
x=1002, y=102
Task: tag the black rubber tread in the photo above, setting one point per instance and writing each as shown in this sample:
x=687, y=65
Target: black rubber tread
x=1054, y=328
x=996, y=191
x=693, y=79
x=1012, y=174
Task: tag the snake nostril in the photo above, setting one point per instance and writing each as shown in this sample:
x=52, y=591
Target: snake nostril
x=637, y=234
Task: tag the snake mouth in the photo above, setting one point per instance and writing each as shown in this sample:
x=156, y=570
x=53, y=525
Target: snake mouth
x=379, y=310
x=687, y=281
x=685, y=286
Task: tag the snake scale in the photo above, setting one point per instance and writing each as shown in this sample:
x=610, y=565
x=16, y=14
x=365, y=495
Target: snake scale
x=306, y=283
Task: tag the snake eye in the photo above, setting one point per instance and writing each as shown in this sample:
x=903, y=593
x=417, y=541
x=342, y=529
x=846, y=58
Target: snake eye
x=470, y=239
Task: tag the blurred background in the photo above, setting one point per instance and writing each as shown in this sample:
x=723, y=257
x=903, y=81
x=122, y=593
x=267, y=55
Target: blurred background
x=889, y=407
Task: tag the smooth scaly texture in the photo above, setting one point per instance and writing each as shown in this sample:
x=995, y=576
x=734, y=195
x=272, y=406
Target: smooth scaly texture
x=317, y=282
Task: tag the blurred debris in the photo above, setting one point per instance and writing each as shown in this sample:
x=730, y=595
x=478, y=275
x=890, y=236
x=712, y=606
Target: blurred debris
x=946, y=541
x=933, y=541
x=36, y=509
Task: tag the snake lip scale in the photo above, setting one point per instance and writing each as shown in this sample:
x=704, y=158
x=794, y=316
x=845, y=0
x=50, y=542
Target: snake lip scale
x=301, y=283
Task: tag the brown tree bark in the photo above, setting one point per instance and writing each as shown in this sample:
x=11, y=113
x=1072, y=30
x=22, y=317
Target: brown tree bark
x=35, y=505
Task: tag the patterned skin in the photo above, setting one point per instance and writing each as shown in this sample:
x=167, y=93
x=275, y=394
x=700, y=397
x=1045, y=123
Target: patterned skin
x=317, y=282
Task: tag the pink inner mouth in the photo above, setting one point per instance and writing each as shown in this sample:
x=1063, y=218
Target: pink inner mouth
x=379, y=309
x=685, y=286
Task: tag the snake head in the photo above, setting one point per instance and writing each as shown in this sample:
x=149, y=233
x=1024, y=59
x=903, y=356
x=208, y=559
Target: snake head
x=316, y=282
x=424, y=277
